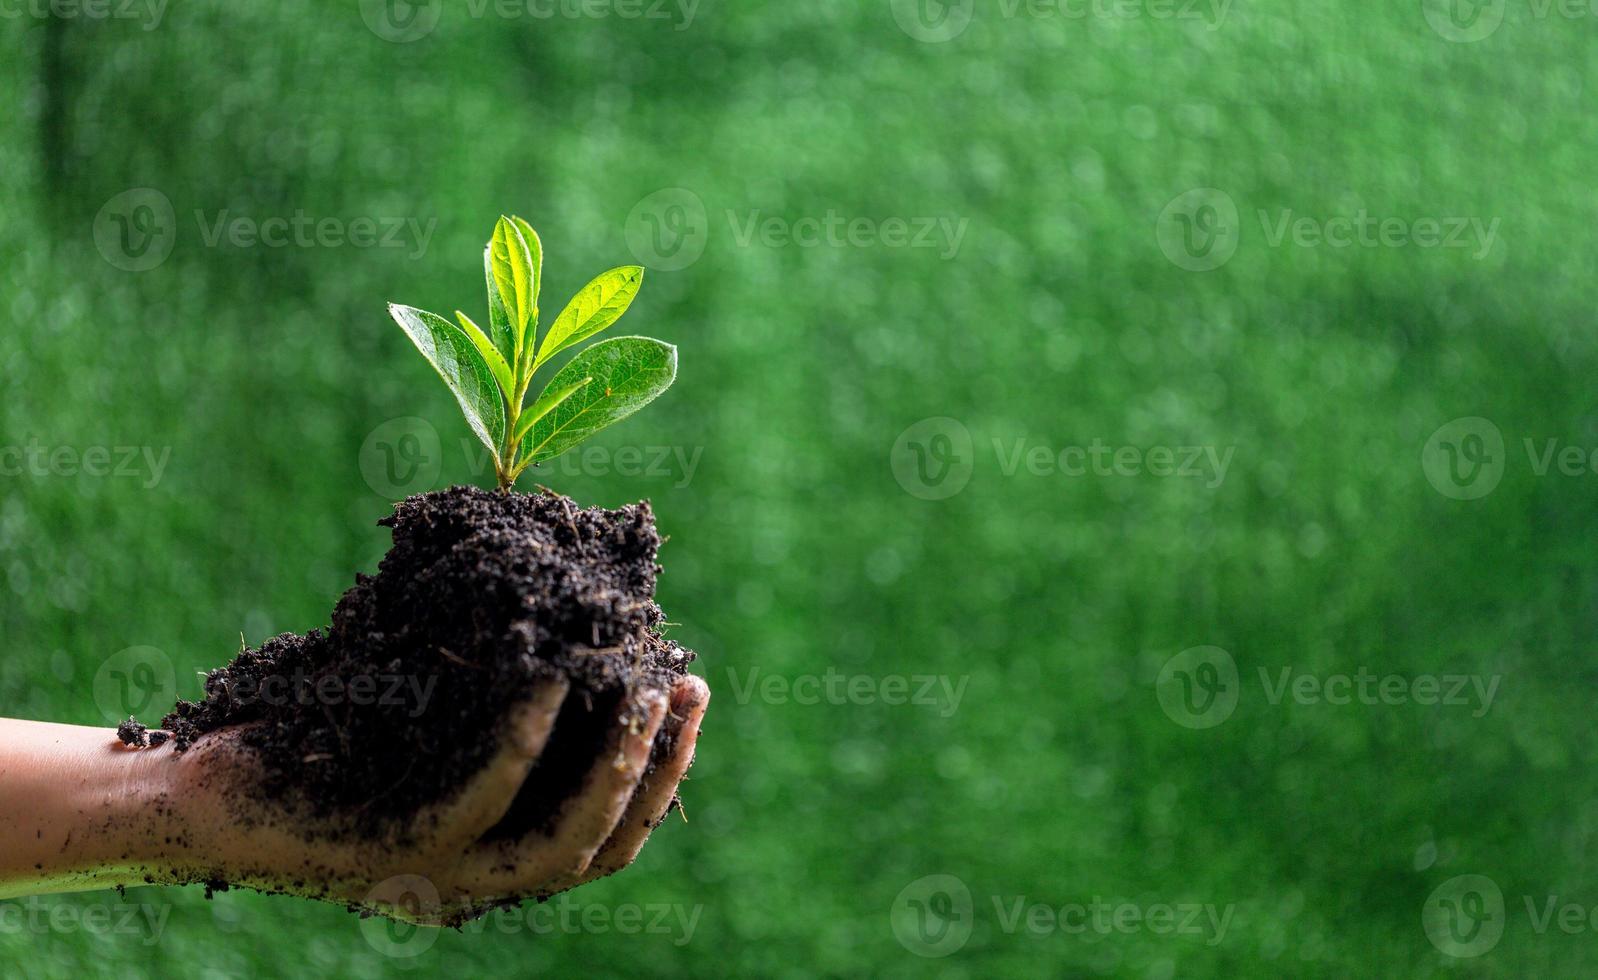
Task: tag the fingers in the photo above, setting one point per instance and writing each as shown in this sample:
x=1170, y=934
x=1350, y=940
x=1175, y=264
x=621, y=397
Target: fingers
x=489, y=794
x=533, y=862
x=652, y=801
x=590, y=819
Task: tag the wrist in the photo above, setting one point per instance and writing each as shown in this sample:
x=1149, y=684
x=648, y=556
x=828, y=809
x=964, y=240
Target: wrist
x=75, y=814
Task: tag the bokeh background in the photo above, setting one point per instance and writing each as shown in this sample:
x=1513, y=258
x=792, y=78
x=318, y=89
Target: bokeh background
x=837, y=464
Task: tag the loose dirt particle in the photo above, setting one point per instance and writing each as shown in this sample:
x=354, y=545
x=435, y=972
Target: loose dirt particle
x=133, y=734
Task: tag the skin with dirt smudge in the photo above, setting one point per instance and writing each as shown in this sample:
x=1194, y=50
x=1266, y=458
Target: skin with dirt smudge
x=89, y=812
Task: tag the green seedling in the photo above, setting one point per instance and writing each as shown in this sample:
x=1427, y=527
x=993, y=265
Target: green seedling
x=490, y=372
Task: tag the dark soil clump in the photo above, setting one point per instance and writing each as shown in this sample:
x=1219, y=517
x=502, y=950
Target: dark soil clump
x=136, y=736
x=398, y=703
x=133, y=734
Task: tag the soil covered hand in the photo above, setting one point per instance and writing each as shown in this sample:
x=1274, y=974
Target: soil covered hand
x=451, y=861
x=497, y=713
x=157, y=816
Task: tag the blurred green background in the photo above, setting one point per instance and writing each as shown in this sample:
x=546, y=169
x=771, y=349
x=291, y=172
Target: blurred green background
x=1106, y=186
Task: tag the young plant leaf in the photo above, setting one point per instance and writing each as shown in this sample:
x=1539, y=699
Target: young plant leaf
x=491, y=355
x=627, y=374
x=545, y=404
x=513, y=275
x=595, y=307
x=535, y=249
x=489, y=371
x=498, y=320
x=455, y=358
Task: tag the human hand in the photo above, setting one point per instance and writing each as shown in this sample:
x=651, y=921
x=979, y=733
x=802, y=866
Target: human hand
x=191, y=817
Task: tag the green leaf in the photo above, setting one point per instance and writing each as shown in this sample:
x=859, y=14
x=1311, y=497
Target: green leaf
x=545, y=404
x=628, y=373
x=535, y=249
x=498, y=319
x=491, y=356
x=512, y=267
x=455, y=358
x=595, y=307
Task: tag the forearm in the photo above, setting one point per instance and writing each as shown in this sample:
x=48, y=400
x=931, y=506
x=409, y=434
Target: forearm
x=79, y=811
x=76, y=810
